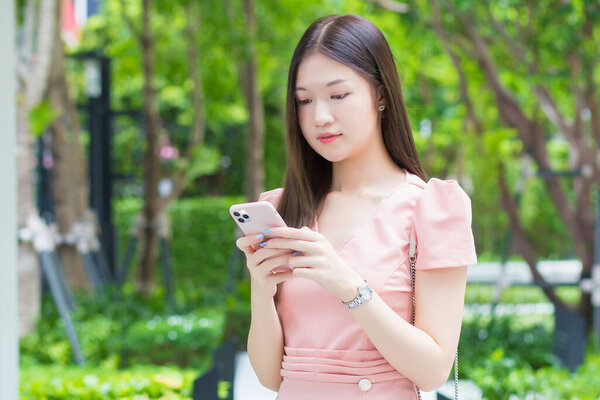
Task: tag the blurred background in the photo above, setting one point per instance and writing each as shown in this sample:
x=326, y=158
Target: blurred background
x=139, y=122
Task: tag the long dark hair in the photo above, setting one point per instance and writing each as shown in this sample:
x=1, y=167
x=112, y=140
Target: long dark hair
x=355, y=42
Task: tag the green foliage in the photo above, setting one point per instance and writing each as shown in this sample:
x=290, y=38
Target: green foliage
x=130, y=330
x=525, y=341
x=500, y=377
x=89, y=383
x=205, y=161
x=185, y=340
x=41, y=117
x=512, y=356
x=203, y=240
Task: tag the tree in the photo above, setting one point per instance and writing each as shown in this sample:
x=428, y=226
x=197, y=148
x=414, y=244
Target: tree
x=245, y=53
x=539, y=63
x=70, y=195
x=35, y=54
x=154, y=207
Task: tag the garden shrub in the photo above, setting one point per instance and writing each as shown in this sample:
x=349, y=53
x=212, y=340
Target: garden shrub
x=70, y=382
x=186, y=340
x=203, y=239
x=134, y=330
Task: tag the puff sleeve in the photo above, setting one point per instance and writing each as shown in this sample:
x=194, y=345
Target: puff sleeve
x=442, y=225
x=272, y=196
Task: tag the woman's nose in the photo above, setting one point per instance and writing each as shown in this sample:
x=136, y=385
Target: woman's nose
x=322, y=113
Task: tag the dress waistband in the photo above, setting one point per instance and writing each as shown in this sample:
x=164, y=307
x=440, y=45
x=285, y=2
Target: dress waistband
x=338, y=366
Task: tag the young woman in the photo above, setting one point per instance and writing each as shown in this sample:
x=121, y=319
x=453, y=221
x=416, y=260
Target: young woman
x=337, y=324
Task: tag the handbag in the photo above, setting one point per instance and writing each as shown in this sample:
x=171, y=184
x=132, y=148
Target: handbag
x=412, y=260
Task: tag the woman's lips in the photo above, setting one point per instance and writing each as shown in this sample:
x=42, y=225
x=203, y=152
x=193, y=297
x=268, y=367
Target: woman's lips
x=329, y=139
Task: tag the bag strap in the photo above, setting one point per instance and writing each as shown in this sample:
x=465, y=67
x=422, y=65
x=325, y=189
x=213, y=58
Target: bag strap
x=412, y=258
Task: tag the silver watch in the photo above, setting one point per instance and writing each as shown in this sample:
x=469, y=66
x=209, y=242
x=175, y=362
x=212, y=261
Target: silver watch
x=365, y=293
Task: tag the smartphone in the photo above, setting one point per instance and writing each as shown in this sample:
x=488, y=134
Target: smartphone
x=253, y=218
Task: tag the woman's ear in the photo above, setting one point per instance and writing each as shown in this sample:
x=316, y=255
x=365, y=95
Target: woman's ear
x=380, y=95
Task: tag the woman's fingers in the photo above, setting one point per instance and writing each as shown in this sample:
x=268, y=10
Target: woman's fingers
x=266, y=266
x=295, y=245
x=279, y=277
x=261, y=255
x=250, y=243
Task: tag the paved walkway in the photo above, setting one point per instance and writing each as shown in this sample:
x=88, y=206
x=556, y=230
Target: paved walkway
x=246, y=384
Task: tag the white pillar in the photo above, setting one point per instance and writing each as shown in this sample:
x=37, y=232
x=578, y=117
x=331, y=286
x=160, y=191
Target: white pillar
x=9, y=349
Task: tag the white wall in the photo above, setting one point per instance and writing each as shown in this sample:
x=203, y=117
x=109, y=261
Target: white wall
x=9, y=364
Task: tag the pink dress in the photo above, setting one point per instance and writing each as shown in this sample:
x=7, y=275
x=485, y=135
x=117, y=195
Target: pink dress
x=326, y=354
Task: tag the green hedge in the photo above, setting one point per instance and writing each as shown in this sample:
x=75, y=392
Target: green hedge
x=203, y=241
x=512, y=356
x=69, y=382
x=130, y=331
x=500, y=377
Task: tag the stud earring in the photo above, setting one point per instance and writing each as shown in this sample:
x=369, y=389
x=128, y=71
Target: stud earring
x=381, y=107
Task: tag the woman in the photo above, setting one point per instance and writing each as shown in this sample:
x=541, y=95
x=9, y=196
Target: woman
x=337, y=324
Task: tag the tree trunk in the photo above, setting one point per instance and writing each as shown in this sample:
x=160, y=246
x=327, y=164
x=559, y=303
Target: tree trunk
x=149, y=242
x=33, y=74
x=255, y=142
x=29, y=272
x=69, y=174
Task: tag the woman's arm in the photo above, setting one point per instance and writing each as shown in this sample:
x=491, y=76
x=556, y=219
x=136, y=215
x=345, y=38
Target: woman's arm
x=424, y=352
x=265, y=341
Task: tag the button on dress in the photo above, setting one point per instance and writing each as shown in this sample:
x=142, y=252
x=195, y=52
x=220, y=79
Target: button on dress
x=326, y=354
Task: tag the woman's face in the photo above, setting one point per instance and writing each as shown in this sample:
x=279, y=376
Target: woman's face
x=333, y=99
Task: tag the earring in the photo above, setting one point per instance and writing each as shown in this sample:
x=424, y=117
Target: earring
x=381, y=107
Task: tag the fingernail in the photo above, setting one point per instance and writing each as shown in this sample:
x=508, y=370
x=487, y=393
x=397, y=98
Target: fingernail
x=263, y=243
x=260, y=236
x=296, y=253
x=268, y=230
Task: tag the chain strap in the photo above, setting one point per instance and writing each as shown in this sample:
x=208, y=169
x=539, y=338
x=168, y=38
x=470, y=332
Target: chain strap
x=412, y=260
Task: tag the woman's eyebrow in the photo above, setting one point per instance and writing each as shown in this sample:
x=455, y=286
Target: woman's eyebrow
x=334, y=82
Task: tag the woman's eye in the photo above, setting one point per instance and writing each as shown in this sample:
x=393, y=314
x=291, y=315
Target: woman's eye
x=303, y=102
x=340, y=96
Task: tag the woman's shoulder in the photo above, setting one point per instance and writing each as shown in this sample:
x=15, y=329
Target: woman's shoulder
x=442, y=222
x=439, y=190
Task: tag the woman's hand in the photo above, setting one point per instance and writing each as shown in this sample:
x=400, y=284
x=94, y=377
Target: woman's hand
x=260, y=263
x=318, y=260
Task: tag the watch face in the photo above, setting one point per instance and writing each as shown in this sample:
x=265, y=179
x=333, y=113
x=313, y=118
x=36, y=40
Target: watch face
x=365, y=292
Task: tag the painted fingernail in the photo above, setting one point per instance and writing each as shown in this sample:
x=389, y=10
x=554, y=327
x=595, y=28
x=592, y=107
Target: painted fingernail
x=260, y=236
x=268, y=230
x=263, y=243
x=296, y=253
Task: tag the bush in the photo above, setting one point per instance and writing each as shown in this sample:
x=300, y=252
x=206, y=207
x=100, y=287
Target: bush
x=67, y=382
x=133, y=330
x=203, y=242
x=185, y=340
x=524, y=341
x=511, y=358
x=500, y=377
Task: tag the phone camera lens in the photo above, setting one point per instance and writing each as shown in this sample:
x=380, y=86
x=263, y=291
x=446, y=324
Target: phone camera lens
x=241, y=220
x=237, y=214
x=246, y=216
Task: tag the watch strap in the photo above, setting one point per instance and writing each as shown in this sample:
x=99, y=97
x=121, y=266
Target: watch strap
x=364, y=294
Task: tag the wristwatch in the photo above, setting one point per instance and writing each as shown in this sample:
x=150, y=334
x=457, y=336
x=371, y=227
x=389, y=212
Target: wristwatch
x=365, y=293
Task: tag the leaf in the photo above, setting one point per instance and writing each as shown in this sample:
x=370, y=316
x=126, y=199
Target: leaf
x=204, y=161
x=41, y=117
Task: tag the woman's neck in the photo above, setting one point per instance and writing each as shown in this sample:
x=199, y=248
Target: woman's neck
x=372, y=169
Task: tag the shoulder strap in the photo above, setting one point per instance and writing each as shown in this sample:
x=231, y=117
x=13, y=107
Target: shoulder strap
x=412, y=249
